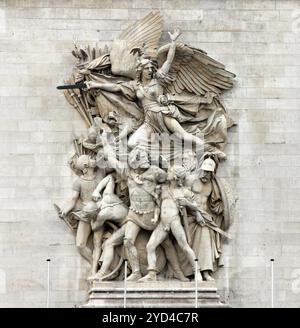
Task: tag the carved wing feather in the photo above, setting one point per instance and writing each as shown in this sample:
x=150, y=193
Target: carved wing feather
x=201, y=81
x=194, y=71
x=147, y=30
x=177, y=86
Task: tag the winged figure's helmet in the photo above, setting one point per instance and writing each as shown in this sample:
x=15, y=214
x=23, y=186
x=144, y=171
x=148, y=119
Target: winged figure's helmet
x=145, y=58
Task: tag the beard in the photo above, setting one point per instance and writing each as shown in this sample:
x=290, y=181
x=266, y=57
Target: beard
x=144, y=165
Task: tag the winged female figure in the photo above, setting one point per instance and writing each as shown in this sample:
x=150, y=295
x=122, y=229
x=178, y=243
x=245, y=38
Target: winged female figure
x=165, y=109
x=139, y=89
x=173, y=89
x=148, y=89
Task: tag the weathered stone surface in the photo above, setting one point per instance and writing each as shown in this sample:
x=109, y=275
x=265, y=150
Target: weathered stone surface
x=160, y=294
x=258, y=40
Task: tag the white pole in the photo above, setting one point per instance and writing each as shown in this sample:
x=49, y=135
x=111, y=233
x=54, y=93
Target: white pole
x=272, y=283
x=125, y=284
x=196, y=283
x=48, y=282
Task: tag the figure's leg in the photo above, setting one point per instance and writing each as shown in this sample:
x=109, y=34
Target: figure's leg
x=131, y=232
x=142, y=134
x=97, y=240
x=115, y=213
x=174, y=126
x=118, y=213
x=83, y=231
x=116, y=239
x=206, y=254
x=207, y=275
x=157, y=237
x=180, y=236
x=173, y=259
x=99, y=222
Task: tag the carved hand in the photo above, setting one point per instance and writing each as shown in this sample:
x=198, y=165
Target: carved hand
x=200, y=219
x=96, y=196
x=85, y=71
x=63, y=212
x=153, y=221
x=182, y=202
x=175, y=34
x=91, y=85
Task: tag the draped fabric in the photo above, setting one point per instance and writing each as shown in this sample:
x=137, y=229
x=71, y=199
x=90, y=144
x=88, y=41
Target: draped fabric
x=207, y=121
x=121, y=102
x=205, y=242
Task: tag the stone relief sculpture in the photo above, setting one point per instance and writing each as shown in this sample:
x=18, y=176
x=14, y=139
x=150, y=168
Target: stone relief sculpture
x=147, y=186
x=170, y=220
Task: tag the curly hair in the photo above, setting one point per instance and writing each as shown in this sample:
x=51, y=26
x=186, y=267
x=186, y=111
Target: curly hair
x=134, y=156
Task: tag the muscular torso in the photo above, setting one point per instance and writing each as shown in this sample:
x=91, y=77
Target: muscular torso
x=86, y=186
x=141, y=187
x=169, y=207
x=201, y=191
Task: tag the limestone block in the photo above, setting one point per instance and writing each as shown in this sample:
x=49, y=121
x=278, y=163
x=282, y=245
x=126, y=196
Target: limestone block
x=254, y=38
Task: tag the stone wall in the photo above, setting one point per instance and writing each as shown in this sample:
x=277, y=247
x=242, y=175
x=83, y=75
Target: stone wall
x=258, y=40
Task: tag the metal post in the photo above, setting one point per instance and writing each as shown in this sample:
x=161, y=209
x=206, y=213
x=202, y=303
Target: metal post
x=125, y=284
x=272, y=283
x=196, y=283
x=48, y=282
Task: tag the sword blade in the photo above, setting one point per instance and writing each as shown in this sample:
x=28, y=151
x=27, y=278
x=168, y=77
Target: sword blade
x=220, y=231
x=72, y=86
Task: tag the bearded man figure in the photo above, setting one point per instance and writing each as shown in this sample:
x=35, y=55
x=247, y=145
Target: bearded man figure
x=211, y=214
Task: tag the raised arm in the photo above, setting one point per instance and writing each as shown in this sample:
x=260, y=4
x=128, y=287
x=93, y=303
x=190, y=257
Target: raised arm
x=171, y=53
x=111, y=157
x=108, y=181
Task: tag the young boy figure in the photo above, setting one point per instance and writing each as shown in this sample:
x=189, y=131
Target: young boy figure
x=83, y=188
x=171, y=195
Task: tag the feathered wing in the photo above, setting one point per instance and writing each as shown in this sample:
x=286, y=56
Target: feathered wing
x=146, y=31
x=194, y=71
x=193, y=74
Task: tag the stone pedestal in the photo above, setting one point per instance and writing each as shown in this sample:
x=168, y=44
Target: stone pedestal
x=159, y=294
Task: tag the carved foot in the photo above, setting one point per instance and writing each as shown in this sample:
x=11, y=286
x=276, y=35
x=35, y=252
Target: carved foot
x=151, y=276
x=134, y=276
x=207, y=276
x=180, y=276
x=99, y=276
x=199, y=277
x=91, y=278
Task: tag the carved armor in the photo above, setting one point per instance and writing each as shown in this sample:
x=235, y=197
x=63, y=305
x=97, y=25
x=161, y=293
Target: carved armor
x=173, y=90
x=141, y=201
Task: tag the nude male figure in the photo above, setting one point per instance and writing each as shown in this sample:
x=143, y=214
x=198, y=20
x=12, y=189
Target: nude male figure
x=170, y=221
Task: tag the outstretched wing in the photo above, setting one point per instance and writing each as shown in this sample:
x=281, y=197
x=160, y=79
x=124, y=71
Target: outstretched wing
x=146, y=31
x=195, y=72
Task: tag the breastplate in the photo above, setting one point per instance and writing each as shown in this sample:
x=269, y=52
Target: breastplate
x=141, y=201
